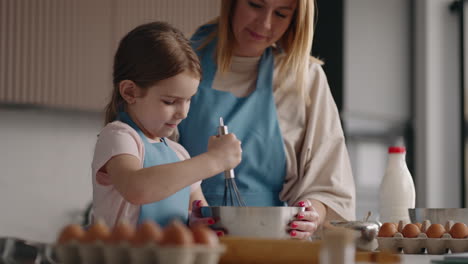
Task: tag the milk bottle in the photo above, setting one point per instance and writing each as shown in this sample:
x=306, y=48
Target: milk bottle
x=397, y=192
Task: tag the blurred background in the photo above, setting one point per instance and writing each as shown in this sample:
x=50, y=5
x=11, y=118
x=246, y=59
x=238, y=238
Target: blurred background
x=395, y=69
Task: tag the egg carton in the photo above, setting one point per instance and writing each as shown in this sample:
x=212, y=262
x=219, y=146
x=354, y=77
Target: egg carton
x=422, y=243
x=124, y=253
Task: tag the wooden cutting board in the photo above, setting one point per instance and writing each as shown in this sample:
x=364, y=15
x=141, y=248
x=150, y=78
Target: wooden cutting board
x=256, y=250
x=242, y=250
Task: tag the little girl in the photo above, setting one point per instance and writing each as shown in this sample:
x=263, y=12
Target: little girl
x=138, y=173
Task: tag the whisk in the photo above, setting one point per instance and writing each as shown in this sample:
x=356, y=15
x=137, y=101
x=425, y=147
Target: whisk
x=232, y=195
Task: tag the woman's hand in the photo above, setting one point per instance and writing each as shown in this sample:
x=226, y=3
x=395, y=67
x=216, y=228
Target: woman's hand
x=196, y=217
x=307, y=222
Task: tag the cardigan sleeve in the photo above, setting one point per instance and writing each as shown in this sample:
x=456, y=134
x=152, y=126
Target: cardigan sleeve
x=318, y=165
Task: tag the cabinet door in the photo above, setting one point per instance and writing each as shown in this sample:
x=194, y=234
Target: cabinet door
x=58, y=53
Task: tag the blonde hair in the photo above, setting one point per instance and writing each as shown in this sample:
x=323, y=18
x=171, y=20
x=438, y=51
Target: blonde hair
x=296, y=42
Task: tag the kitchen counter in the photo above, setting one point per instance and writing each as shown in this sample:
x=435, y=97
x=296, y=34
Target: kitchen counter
x=426, y=259
x=410, y=259
x=419, y=259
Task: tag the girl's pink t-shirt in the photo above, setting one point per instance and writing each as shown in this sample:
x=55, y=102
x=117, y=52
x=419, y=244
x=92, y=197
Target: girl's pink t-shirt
x=118, y=138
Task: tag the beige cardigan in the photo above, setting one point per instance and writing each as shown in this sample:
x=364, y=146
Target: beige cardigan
x=318, y=165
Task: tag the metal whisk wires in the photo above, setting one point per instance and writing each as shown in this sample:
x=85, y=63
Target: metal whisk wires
x=232, y=195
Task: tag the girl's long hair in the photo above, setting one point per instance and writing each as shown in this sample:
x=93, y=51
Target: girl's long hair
x=150, y=53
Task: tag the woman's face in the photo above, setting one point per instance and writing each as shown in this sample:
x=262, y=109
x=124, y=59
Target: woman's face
x=257, y=24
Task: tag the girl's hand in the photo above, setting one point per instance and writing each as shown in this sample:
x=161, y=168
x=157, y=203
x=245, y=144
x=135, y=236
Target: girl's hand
x=306, y=222
x=196, y=217
x=226, y=149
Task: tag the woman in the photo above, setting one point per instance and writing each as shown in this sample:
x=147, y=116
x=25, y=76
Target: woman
x=258, y=75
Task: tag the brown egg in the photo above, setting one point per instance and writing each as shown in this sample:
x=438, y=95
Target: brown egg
x=178, y=234
x=123, y=231
x=71, y=233
x=204, y=235
x=147, y=232
x=99, y=231
x=387, y=230
x=435, y=231
x=419, y=225
x=459, y=230
x=411, y=231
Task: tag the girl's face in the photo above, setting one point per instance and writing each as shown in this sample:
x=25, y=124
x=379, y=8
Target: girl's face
x=164, y=105
x=257, y=24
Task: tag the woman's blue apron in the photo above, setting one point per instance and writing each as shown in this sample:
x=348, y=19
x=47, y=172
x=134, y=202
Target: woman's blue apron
x=174, y=206
x=252, y=119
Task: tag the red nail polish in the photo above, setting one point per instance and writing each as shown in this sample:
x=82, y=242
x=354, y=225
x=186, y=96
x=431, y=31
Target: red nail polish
x=293, y=233
x=211, y=221
x=300, y=216
x=219, y=233
x=302, y=204
x=198, y=203
x=293, y=225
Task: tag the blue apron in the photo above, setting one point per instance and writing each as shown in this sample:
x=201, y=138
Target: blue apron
x=252, y=119
x=174, y=206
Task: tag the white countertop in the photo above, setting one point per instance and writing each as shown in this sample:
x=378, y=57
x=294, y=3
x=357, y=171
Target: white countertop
x=419, y=259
